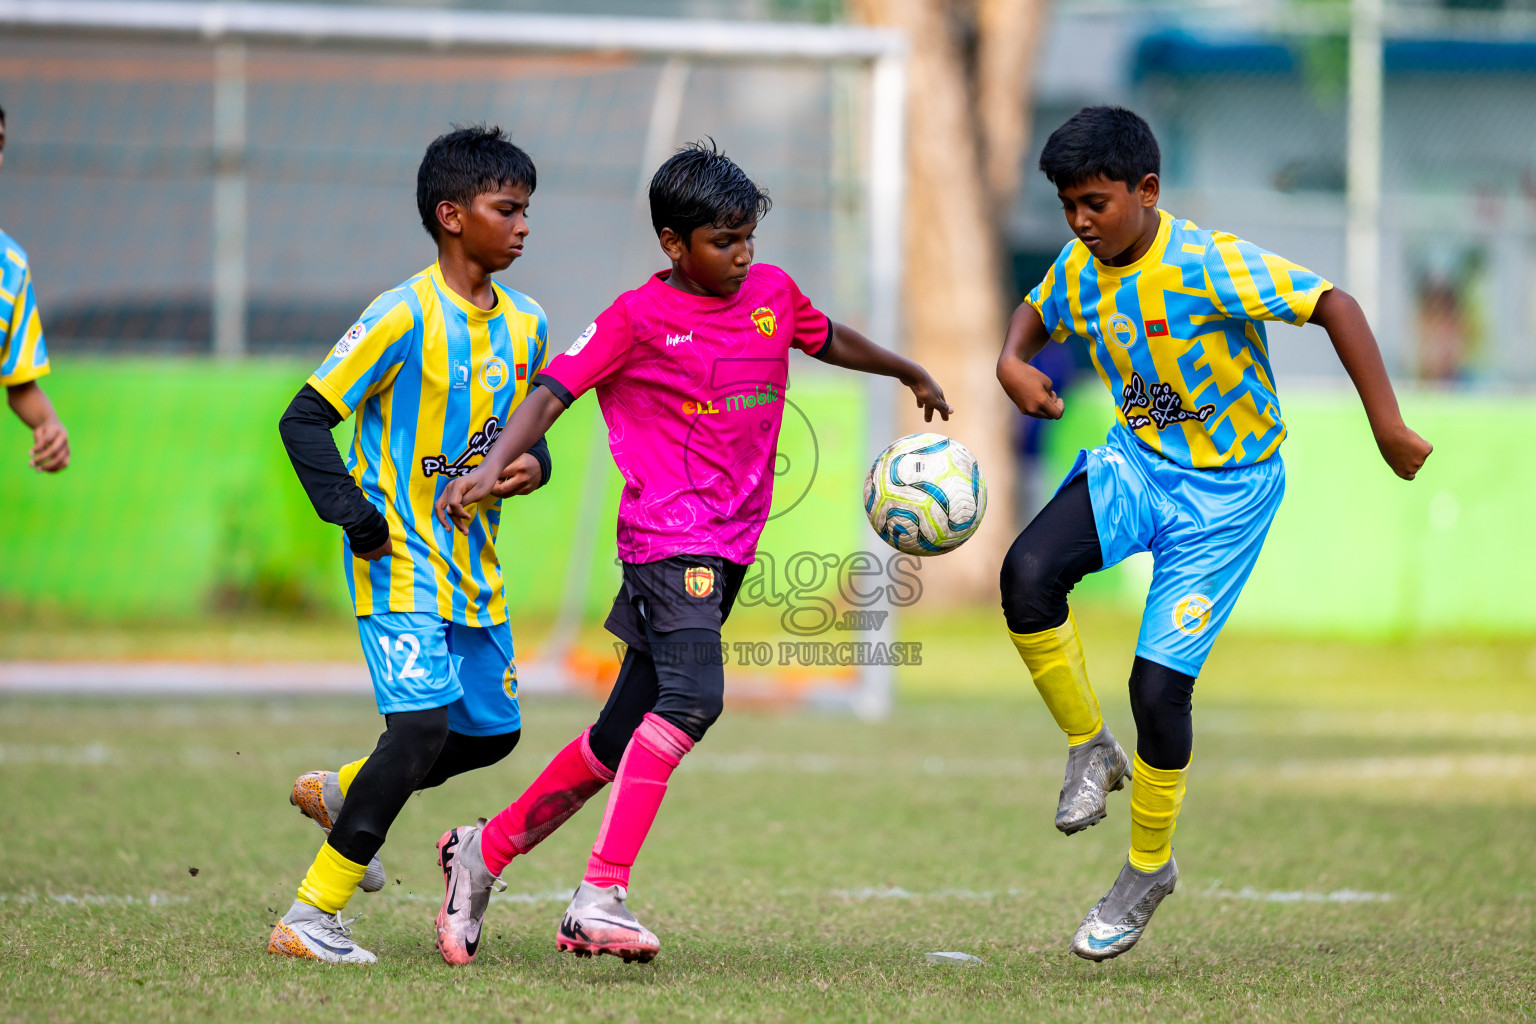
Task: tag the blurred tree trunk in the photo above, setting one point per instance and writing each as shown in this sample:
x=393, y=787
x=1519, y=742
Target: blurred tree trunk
x=967, y=129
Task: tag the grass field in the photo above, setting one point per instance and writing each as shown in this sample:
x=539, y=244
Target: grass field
x=1356, y=845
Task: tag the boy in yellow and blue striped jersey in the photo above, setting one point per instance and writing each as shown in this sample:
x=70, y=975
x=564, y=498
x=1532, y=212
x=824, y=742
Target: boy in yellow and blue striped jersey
x=24, y=355
x=1173, y=317
x=432, y=369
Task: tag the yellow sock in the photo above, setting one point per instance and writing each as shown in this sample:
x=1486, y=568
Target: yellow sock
x=1055, y=660
x=1156, y=796
x=347, y=772
x=330, y=880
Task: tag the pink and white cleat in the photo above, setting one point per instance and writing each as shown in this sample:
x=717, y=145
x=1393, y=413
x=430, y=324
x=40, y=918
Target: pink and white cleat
x=597, y=921
x=468, y=885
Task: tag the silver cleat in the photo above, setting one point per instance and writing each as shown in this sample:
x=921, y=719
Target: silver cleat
x=1095, y=769
x=1116, y=922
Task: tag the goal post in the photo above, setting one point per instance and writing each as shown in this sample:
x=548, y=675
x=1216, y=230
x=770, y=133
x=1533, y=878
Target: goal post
x=853, y=209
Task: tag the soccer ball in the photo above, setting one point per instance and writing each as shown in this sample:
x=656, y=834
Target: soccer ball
x=925, y=494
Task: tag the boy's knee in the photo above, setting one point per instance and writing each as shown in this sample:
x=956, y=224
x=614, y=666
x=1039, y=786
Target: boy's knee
x=414, y=738
x=1033, y=598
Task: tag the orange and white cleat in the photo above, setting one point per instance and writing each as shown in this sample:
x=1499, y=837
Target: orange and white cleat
x=309, y=933
x=318, y=796
x=597, y=921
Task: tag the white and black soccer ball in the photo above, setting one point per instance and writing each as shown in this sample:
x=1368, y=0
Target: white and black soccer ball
x=925, y=494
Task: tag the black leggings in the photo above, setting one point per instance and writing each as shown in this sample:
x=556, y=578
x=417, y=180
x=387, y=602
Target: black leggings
x=1055, y=551
x=416, y=751
x=682, y=679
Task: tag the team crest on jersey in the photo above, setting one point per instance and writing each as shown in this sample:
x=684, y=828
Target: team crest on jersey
x=493, y=373
x=1121, y=330
x=763, y=317
x=699, y=581
x=352, y=337
x=581, y=342
x=1192, y=615
x=509, y=682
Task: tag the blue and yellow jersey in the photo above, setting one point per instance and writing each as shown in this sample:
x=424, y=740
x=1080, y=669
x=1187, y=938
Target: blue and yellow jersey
x=23, y=356
x=1178, y=337
x=432, y=379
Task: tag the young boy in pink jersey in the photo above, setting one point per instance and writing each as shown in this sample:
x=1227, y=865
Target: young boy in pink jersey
x=690, y=371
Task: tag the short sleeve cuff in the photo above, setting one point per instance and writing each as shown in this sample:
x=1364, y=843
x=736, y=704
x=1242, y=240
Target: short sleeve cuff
x=330, y=395
x=556, y=388
x=25, y=375
x=825, y=348
x=1306, y=304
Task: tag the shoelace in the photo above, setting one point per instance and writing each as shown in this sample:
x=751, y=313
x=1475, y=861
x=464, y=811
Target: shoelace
x=343, y=928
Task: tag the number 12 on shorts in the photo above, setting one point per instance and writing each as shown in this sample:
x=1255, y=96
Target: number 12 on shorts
x=407, y=644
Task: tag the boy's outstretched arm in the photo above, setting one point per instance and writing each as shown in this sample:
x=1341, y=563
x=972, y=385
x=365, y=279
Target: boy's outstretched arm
x=1340, y=315
x=50, y=441
x=849, y=349
x=527, y=424
x=1029, y=388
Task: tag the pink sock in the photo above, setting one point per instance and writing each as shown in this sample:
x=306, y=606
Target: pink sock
x=566, y=783
x=654, y=750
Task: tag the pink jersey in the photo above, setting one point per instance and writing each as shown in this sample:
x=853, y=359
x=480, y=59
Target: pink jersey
x=692, y=390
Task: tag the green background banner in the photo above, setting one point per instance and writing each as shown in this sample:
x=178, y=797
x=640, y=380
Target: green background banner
x=180, y=502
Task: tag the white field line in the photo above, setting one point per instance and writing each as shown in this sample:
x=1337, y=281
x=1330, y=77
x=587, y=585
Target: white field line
x=1425, y=766
x=154, y=899
x=1248, y=892
x=553, y=896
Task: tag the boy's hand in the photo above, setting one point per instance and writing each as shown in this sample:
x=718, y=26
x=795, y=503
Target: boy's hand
x=1030, y=390
x=1404, y=450
x=450, y=507
x=382, y=551
x=523, y=476
x=50, y=447
x=930, y=397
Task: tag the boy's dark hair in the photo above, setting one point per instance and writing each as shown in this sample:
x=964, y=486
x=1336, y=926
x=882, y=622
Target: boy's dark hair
x=699, y=185
x=2, y=115
x=467, y=162
x=1111, y=142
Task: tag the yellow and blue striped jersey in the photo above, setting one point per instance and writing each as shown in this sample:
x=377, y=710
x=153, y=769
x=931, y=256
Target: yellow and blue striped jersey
x=23, y=355
x=432, y=378
x=1178, y=337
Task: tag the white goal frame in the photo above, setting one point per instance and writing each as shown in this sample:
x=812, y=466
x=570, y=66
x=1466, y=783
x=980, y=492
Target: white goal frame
x=883, y=53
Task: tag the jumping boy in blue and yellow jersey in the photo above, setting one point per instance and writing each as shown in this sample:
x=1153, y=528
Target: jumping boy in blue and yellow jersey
x=1174, y=319
x=24, y=355
x=433, y=369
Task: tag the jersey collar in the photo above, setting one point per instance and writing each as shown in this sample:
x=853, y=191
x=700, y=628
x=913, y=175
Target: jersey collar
x=469, y=309
x=1151, y=257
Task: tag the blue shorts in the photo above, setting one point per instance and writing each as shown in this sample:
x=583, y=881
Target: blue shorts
x=1204, y=528
x=421, y=661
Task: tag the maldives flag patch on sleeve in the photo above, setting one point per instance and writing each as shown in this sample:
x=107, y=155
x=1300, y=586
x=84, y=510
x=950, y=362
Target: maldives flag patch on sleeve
x=1157, y=328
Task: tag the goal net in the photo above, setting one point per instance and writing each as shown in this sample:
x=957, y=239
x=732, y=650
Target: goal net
x=236, y=180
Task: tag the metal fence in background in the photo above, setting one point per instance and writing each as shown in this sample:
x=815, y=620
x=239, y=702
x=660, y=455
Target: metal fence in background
x=159, y=185
x=1251, y=103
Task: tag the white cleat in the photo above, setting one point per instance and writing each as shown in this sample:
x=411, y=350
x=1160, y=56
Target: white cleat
x=1095, y=768
x=309, y=933
x=1116, y=922
x=468, y=883
x=597, y=921
x=318, y=796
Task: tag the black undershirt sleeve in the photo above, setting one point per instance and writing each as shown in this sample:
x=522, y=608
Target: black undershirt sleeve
x=306, y=431
x=540, y=451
